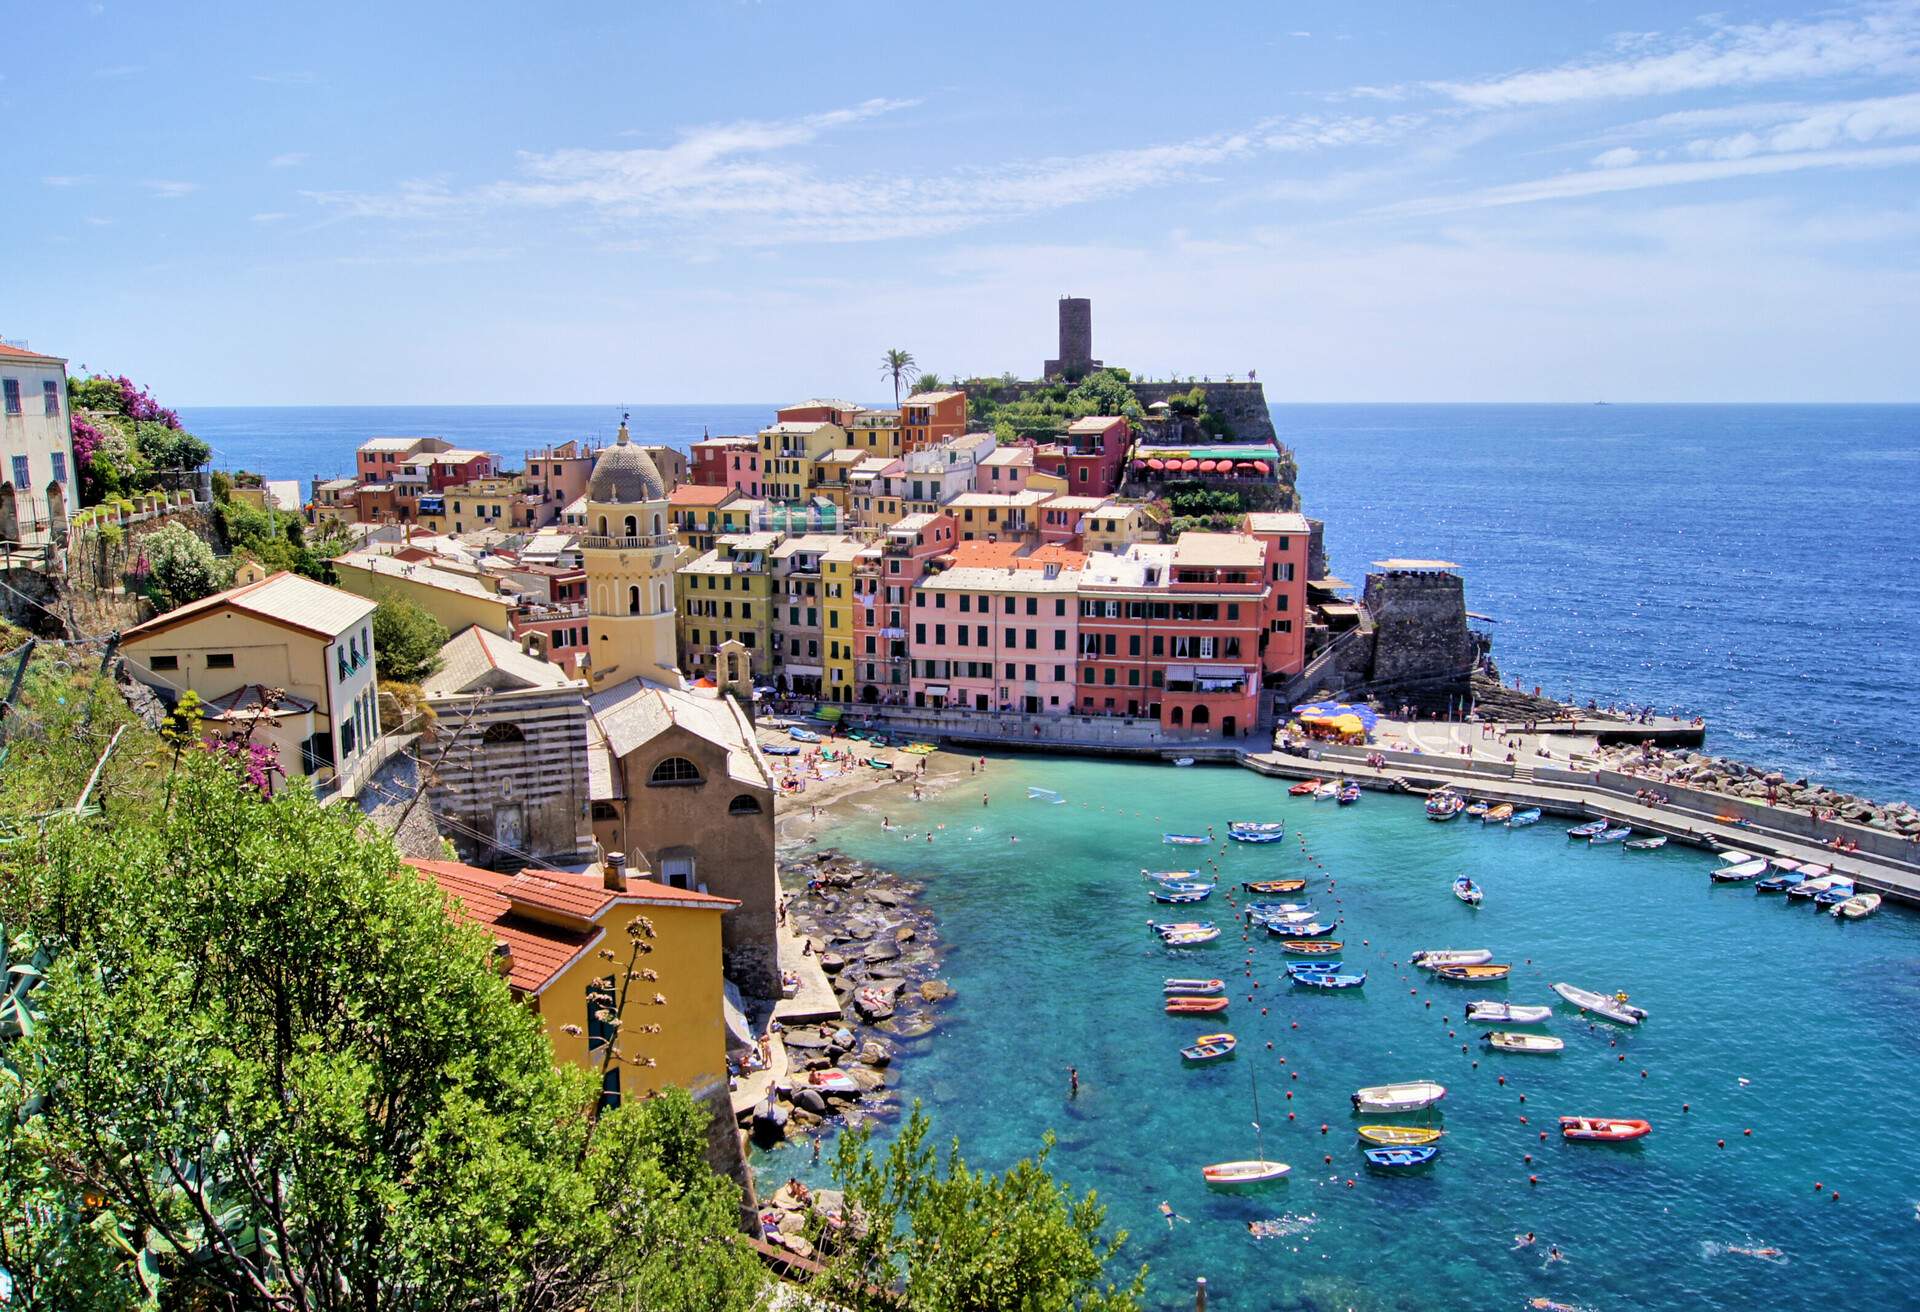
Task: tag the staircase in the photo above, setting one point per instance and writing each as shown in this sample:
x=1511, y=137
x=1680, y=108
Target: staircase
x=1523, y=774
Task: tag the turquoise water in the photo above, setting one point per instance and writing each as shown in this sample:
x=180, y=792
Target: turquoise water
x=1047, y=945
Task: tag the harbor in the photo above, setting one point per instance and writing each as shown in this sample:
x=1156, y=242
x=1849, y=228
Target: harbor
x=1043, y=908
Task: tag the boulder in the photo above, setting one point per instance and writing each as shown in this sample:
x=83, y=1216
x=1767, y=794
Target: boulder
x=904, y=934
x=795, y=1244
x=936, y=990
x=868, y=1078
x=829, y=1202
x=793, y=1223
x=882, y=951
x=875, y=1053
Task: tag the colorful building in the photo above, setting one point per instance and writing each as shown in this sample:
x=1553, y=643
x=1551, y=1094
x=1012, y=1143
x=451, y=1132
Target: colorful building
x=630, y=557
x=930, y=418
x=885, y=576
x=695, y=509
x=37, y=491
x=799, y=615
x=456, y=599
x=727, y=462
x=556, y=476
x=998, y=517
x=1114, y=526
x=837, y=588
x=789, y=451
x=1092, y=455
x=1286, y=535
x=1005, y=469
x=1062, y=518
x=995, y=639
x=727, y=594
x=875, y=433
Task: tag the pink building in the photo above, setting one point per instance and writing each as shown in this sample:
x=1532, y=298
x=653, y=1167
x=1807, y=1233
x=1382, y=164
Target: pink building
x=995, y=639
x=1006, y=470
x=884, y=577
x=1285, y=536
x=728, y=462
x=1061, y=516
x=1091, y=455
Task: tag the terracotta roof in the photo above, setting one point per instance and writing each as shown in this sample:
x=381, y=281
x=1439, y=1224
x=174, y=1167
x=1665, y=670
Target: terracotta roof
x=540, y=949
x=1095, y=424
x=21, y=353
x=249, y=702
x=477, y=659
x=700, y=494
x=930, y=398
x=284, y=598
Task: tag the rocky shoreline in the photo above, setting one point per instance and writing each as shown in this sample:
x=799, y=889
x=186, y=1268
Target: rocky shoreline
x=1752, y=783
x=879, y=947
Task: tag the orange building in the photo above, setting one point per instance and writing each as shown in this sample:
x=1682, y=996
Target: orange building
x=929, y=418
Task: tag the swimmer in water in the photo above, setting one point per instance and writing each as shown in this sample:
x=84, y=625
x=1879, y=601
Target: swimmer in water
x=1548, y=1305
x=1166, y=1210
x=1554, y=1254
x=1523, y=1241
x=1768, y=1253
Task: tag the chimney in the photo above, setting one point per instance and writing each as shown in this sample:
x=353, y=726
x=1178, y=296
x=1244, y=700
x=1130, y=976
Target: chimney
x=502, y=957
x=614, y=871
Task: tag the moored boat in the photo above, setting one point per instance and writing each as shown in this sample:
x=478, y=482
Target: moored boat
x=1512, y=1041
x=1467, y=891
x=1587, y=830
x=1183, y=1005
x=1611, y=835
x=1258, y=826
x=1497, y=815
x=1305, y=788
x=1349, y=793
x=1326, y=792
x=1433, y=958
x=1312, y=967
x=1233, y=1175
x=1613, y=1007
x=1184, y=840
x=1210, y=1047
x=1274, y=885
x=1835, y=894
x=1506, y=1013
x=1281, y=919
x=1198, y=988
x=1189, y=938
x=1311, y=947
x=1411, y=1096
x=1254, y=835
x=1183, y=761
x=1478, y=973
x=1314, y=979
x=1603, y=1129
x=1315, y=930
x=1477, y=808
x=1401, y=1159
x=1857, y=907
x=1400, y=1136
x=1650, y=844
x=1173, y=876
x=1179, y=896
x=1814, y=885
x=1522, y=818
x=1779, y=883
x=1739, y=874
x=1443, y=805
x=1259, y=910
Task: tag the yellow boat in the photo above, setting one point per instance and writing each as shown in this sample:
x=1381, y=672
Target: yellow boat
x=1498, y=815
x=1400, y=1136
x=1483, y=971
x=920, y=749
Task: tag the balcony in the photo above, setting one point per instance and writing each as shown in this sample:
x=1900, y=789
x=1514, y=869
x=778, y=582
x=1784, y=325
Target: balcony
x=598, y=542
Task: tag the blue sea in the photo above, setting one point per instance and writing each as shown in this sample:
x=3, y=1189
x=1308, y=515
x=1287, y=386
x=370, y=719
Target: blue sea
x=1765, y=1016
x=1753, y=564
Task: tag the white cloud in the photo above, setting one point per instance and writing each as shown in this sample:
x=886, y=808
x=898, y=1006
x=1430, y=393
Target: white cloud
x=169, y=189
x=271, y=216
x=1883, y=41
x=292, y=159
x=68, y=180
x=1602, y=181
x=1850, y=123
x=1619, y=157
x=738, y=183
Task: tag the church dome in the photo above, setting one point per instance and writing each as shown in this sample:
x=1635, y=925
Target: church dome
x=624, y=473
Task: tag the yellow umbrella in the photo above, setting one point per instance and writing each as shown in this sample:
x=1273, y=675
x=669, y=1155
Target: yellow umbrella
x=1349, y=724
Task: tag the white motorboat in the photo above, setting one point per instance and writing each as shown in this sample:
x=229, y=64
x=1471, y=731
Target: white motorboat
x=1434, y=958
x=1507, y=1013
x=1733, y=856
x=1326, y=792
x=1814, y=884
x=1614, y=1007
x=1409, y=1097
x=1514, y=1041
x=1183, y=760
x=1857, y=906
x=1739, y=874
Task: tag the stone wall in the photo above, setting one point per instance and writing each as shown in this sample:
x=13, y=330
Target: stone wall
x=1423, y=651
x=1242, y=405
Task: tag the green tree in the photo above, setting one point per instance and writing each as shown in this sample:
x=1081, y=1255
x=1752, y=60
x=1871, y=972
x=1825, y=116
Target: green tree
x=406, y=641
x=165, y=447
x=897, y=365
x=928, y=383
x=956, y=1240
x=182, y=567
x=285, y=1077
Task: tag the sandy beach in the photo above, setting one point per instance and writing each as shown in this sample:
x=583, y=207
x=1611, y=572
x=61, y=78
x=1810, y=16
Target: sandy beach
x=804, y=816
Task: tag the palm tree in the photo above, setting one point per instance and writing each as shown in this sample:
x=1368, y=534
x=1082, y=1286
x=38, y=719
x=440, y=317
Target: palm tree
x=897, y=365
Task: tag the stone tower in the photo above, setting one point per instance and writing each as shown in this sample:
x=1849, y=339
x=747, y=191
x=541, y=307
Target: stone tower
x=630, y=556
x=1076, y=340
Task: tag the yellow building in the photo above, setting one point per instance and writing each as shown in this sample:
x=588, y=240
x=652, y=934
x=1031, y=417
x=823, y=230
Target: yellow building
x=630, y=556
x=837, y=566
x=457, y=600
x=1116, y=526
x=501, y=503
x=998, y=517
x=728, y=594
x=549, y=929
x=789, y=454
x=310, y=644
x=871, y=500
x=875, y=433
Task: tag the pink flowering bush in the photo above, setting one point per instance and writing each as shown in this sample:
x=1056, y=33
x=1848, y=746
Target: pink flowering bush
x=257, y=763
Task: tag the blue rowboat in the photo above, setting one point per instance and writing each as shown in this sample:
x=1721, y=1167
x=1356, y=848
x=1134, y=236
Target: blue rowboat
x=1614, y=835
x=1587, y=830
x=1300, y=931
x=1210, y=1047
x=1180, y=897
x=1257, y=826
x=781, y=749
x=1172, y=876
x=1779, y=883
x=1314, y=981
x=1835, y=895
x=1253, y=836
x=803, y=735
x=1262, y=910
x=1184, y=840
x=1313, y=967
x=1520, y=819
x=1401, y=1159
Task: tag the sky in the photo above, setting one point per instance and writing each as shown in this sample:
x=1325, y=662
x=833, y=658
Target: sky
x=1503, y=200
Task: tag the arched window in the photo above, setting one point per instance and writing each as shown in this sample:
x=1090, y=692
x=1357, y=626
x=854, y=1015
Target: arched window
x=503, y=733
x=672, y=771
x=656, y=523
x=633, y=527
x=1201, y=715
x=603, y=526
x=633, y=600
x=745, y=804
x=1173, y=717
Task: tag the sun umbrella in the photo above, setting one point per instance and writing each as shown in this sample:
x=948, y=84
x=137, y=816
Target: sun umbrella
x=1261, y=467
x=1156, y=464
x=1329, y=711
x=1189, y=466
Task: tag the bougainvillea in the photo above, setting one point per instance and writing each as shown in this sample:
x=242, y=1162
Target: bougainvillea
x=137, y=404
x=86, y=439
x=257, y=763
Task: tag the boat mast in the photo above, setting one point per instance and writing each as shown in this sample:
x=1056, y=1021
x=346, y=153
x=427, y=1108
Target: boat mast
x=1259, y=1139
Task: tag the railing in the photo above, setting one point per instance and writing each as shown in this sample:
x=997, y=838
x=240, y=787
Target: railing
x=596, y=541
